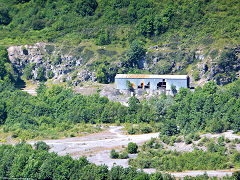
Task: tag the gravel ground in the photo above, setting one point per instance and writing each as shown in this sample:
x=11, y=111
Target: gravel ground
x=96, y=147
x=228, y=134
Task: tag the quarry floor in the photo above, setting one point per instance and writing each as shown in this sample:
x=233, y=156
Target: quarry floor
x=96, y=147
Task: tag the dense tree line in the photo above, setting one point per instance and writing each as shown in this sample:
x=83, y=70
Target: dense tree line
x=209, y=109
x=22, y=161
x=100, y=20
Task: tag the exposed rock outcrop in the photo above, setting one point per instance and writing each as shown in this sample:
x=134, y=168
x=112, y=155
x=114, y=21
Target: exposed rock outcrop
x=51, y=59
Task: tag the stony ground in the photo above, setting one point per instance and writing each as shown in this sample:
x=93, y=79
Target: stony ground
x=96, y=147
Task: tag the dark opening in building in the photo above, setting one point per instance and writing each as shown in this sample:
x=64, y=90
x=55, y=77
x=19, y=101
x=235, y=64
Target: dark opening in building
x=188, y=82
x=147, y=86
x=161, y=84
x=141, y=86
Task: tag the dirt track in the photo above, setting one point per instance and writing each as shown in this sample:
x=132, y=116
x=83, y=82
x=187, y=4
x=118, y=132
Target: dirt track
x=96, y=147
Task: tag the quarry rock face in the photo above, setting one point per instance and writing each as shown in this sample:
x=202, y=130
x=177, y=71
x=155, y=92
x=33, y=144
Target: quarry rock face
x=51, y=59
x=64, y=65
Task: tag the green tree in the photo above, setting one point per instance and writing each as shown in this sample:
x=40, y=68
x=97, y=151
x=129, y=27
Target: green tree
x=160, y=24
x=103, y=38
x=101, y=74
x=3, y=112
x=145, y=26
x=170, y=128
x=86, y=7
x=4, y=16
x=28, y=72
x=136, y=53
x=41, y=74
x=132, y=148
x=134, y=104
x=40, y=145
x=41, y=89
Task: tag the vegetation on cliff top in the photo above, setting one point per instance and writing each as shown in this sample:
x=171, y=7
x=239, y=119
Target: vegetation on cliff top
x=117, y=21
x=181, y=27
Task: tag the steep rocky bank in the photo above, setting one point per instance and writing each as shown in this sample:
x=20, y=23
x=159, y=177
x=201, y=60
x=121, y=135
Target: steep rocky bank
x=51, y=59
x=75, y=64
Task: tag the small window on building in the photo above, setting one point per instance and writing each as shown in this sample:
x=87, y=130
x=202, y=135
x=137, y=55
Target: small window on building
x=147, y=86
x=141, y=86
x=161, y=84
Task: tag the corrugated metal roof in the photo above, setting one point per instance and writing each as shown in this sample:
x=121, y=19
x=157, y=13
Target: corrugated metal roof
x=150, y=76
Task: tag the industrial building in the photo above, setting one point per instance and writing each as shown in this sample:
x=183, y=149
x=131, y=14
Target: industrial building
x=151, y=82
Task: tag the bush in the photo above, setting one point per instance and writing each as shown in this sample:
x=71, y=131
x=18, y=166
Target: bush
x=221, y=140
x=188, y=140
x=114, y=154
x=203, y=141
x=123, y=155
x=165, y=139
x=151, y=142
x=41, y=74
x=196, y=137
x=50, y=74
x=236, y=141
x=146, y=129
x=227, y=140
x=236, y=157
x=28, y=72
x=196, y=75
x=131, y=131
x=157, y=146
x=178, y=140
x=40, y=145
x=132, y=148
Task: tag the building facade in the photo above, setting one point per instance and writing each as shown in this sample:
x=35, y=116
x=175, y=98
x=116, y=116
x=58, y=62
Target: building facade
x=151, y=82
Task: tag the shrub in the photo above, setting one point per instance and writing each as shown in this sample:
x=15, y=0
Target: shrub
x=14, y=135
x=151, y=142
x=188, y=140
x=236, y=157
x=196, y=137
x=196, y=75
x=123, y=155
x=132, y=148
x=28, y=72
x=165, y=139
x=227, y=140
x=236, y=141
x=146, y=129
x=178, y=140
x=38, y=24
x=114, y=154
x=157, y=145
x=211, y=147
x=236, y=175
x=131, y=131
x=40, y=145
x=203, y=141
x=50, y=74
x=41, y=74
x=221, y=140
